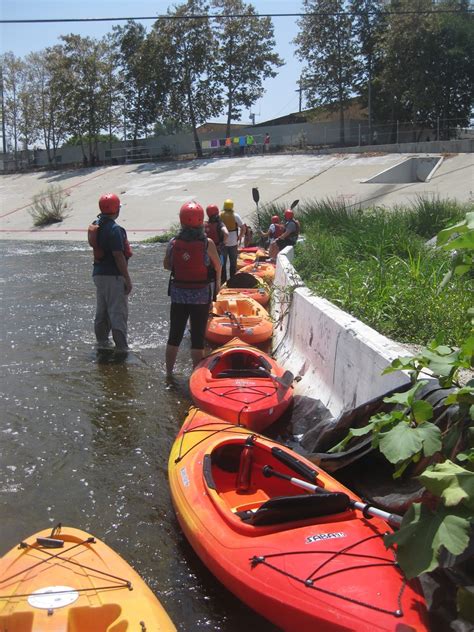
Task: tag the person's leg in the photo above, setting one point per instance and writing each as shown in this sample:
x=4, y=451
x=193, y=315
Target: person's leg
x=232, y=260
x=199, y=315
x=179, y=313
x=117, y=307
x=224, y=264
x=101, y=322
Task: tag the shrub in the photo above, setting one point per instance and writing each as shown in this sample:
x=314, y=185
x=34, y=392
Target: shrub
x=49, y=206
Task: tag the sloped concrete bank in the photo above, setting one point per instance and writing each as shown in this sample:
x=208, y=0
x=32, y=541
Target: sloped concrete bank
x=340, y=360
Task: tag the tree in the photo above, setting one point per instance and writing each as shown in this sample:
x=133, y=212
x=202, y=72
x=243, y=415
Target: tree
x=186, y=47
x=84, y=91
x=142, y=82
x=367, y=24
x=326, y=43
x=245, y=56
x=427, y=68
x=11, y=70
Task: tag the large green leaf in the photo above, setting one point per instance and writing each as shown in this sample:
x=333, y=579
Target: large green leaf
x=424, y=532
x=403, y=442
x=466, y=240
x=407, y=397
x=451, y=482
x=422, y=411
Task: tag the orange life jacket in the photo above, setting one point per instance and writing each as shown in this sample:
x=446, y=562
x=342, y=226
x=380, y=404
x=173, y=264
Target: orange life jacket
x=189, y=263
x=279, y=230
x=98, y=252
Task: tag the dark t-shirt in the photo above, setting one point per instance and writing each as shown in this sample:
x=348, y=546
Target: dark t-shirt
x=111, y=238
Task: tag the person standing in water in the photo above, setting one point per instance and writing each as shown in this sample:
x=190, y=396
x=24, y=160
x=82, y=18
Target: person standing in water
x=189, y=256
x=110, y=273
x=235, y=227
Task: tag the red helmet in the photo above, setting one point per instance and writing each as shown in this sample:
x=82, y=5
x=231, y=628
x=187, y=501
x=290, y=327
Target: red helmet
x=191, y=214
x=109, y=203
x=289, y=214
x=275, y=219
x=212, y=210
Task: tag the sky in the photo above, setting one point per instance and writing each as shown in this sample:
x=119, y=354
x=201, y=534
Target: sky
x=280, y=97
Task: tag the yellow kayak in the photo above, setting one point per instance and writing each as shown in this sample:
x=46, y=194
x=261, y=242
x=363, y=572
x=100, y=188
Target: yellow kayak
x=66, y=580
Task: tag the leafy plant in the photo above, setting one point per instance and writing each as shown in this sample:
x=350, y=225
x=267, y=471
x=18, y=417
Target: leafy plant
x=443, y=521
x=49, y=206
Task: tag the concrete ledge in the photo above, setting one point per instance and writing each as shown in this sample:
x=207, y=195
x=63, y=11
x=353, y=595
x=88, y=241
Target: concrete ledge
x=339, y=358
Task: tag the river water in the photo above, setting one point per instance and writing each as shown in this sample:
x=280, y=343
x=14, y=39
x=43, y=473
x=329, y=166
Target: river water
x=85, y=437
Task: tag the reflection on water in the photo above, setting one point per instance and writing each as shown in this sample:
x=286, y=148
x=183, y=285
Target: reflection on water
x=85, y=435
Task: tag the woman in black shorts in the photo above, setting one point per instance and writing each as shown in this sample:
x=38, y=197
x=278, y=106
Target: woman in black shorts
x=189, y=256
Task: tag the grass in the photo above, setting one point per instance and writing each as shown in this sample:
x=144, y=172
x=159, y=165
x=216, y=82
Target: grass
x=49, y=206
x=380, y=266
x=164, y=237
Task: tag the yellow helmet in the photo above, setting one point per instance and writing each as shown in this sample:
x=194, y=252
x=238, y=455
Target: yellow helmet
x=228, y=205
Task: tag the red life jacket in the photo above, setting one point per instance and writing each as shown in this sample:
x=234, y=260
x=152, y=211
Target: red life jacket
x=279, y=230
x=93, y=239
x=189, y=263
x=214, y=231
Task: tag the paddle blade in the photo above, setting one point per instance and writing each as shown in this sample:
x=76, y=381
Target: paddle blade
x=286, y=380
x=255, y=195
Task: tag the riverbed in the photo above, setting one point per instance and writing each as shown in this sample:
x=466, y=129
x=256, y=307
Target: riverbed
x=85, y=435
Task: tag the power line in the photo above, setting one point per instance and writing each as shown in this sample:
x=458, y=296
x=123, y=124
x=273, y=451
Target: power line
x=211, y=16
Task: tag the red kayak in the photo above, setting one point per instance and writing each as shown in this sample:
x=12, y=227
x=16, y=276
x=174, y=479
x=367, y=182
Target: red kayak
x=307, y=561
x=243, y=385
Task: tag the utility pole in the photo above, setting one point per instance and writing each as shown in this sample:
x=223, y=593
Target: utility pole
x=300, y=90
x=4, y=139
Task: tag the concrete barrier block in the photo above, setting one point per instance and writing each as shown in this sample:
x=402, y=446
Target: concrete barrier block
x=340, y=360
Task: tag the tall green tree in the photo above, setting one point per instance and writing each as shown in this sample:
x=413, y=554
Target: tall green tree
x=326, y=44
x=12, y=68
x=427, y=72
x=141, y=78
x=367, y=25
x=187, y=49
x=246, y=56
x=84, y=90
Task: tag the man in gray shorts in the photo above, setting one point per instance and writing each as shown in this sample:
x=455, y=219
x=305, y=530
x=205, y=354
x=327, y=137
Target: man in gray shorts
x=110, y=273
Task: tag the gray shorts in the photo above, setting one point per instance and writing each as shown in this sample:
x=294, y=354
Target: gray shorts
x=112, y=302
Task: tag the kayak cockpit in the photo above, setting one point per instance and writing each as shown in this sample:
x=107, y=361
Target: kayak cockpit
x=235, y=475
x=238, y=363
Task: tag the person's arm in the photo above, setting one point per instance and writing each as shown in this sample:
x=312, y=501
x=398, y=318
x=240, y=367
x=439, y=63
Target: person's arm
x=288, y=232
x=122, y=266
x=167, y=259
x=241, y=231
x=225, y=234
x=216, y=262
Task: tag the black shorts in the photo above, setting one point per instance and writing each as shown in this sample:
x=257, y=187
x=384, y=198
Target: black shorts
x=179, y=314
x=283, y=243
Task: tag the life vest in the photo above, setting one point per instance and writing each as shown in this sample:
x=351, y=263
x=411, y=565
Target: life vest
x=93, y=239
x=214, y=231
x=293, y=238
x=279, y=230
x=229, y=220
x=189, y=269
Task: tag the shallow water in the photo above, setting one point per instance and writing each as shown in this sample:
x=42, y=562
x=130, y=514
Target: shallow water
x=85, y=437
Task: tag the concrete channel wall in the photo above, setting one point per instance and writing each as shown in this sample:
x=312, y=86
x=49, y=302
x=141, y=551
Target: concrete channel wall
x=339, y=359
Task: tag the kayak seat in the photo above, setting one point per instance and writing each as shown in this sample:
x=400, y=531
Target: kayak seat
x=242, y=373
x=302, y=507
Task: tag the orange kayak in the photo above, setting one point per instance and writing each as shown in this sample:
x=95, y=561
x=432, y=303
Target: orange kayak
x=243, y=385
x=259, y=294
x=68, y=581
x=245, y=258
x=238, y=317
x=264, y=270
x=305, y=561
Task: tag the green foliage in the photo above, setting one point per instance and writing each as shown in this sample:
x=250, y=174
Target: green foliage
x=49, y=206
x=424, y=534
x=377, y=266
x=101, y=138
x=406, y=435
x=246, y=56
